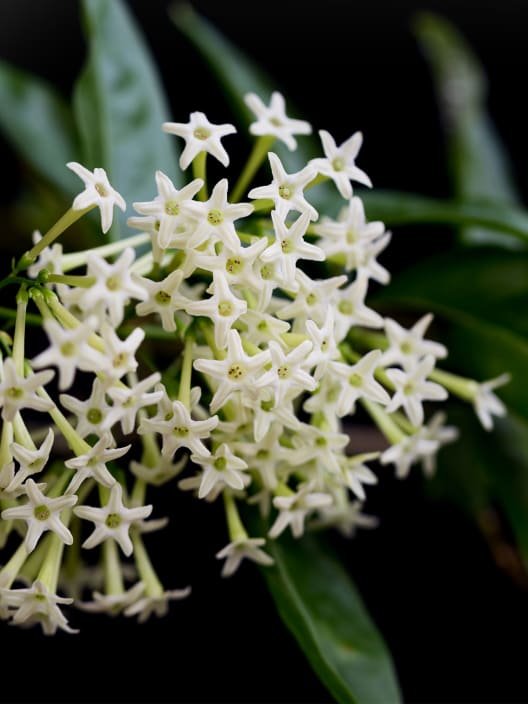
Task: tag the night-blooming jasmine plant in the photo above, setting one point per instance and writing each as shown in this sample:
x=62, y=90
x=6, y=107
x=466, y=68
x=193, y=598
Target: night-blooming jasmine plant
x=268, y=354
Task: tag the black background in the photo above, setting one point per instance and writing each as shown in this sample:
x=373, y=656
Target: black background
x=455, y=624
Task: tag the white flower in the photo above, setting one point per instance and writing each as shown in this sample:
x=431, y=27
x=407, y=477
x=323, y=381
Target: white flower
x=324, y=345
x=163, y=471
x=407, y=347
x=215, y=217
x=37, y=604
x=344, y=517
x=488, y=404
x=410, y=450
x=356, y=473
x=237, y=263
x=436, y=431
x=412, y=388
x=157, y=604
x=92, y=414
x=293, y=509
x=128, y=401
x=120, y=355
x=30, y=461
x=223, y=307
x=178, y=429
x=262, y=327
x=164, y=298
x=353, y=238
x=112, y=290
x=93, y=463
x=174, y=225
x=312, y=299
x=287, y=376
x=289, y=246
x=113, y=520
x=350, y=309
x=236, y=371
x=98, y=192
x=69, y=350
x=339, y=162
x=112, y=604
x=200, y=135
x=286, y=190
x=221, y=469
x=18, y=392
x=237, y=550
x=273, y=121
x=360, y=383
x=41, y=514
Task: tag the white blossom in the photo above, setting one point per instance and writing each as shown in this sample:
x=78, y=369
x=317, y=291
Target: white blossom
x=200, y=135
x=98, y=192
x=273, y=121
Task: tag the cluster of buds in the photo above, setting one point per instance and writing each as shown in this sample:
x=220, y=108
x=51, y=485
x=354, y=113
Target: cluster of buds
x=260, y=307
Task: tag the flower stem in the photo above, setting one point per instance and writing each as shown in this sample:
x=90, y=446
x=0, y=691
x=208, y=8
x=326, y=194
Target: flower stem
x=259, y=152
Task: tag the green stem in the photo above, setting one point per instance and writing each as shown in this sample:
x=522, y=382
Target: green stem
x=20, y=331
x=184, y=392
x=112, y=568
x=73, y=260
x=153, y=586
x=384, y=422
x=234, y=524
x=259, y=152
x=69, y=217
x=200, y=171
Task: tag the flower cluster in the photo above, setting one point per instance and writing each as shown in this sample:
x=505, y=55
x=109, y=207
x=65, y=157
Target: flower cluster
x=260, y=306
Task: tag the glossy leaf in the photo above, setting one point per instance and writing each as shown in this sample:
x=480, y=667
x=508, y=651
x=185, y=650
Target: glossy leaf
x=480, y=167
x=120, y=107
x=400, y=208
x=321, y=606
x=38, y=123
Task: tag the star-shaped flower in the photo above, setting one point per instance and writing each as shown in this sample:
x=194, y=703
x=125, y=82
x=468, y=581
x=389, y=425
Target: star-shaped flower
x=223, y=307
x=286, y=190
x=487, y=403
x=289, y=246
x=166, y=208
x=273, y=121
x=407, y=347
x=412, y=388
x=200, y=135
x=215, y=217
x=41, y=514
x=360, y=383
x=31, y=461
x=36, y=604
x=93, y=463
x=235, y=551
x=339, y=162
x=235, y=372
x=98, y=192
x=18, y=392
x=113, y=520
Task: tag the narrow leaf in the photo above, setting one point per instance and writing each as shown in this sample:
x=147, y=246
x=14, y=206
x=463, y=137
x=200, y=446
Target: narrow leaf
x=38, y=123
x=479, y=164
x=323, y=609
x=396, y=208
x=120, y=106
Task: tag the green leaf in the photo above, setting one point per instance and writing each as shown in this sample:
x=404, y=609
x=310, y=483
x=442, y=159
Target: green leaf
x=238, y=74
x=479, y=165
x=321, y=606
x=120, y=107
x=399, y=208
x=480, y=292
x=38, y=123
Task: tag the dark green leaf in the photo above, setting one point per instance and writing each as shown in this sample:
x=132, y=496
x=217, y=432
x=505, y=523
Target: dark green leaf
x=38, y=122
x=120, y=107
x=321, y=606
x=396, y=208
x=480, y=168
